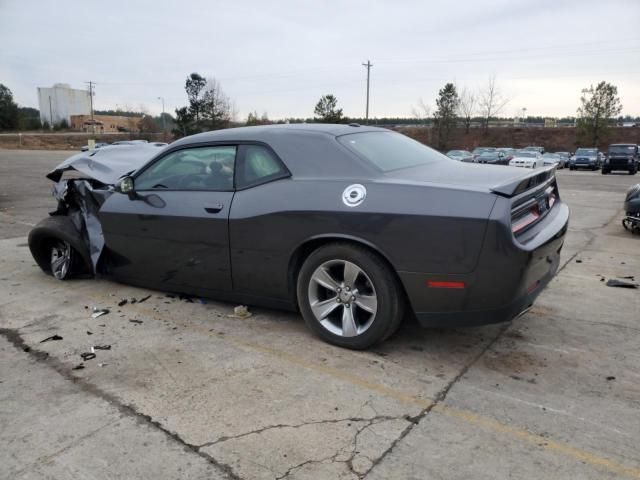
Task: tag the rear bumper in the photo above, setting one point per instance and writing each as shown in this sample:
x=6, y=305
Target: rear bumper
x=507, y=280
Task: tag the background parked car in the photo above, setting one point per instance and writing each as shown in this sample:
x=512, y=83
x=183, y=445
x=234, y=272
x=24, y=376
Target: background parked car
x=527, y=159
x=85, y=148
x=495, y=158
x=586, y=158
x=460, y=155
x=477, y=151
x=553, y=159
x=508, y=152
x=566, y=156
x=621, y=156
x=540, y=150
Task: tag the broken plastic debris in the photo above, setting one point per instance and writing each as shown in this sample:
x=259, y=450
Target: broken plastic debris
x=241, y=311
x=52, y=337
x=103, y=364
x=612, y=282
x=101, y=347
x=144, y=299
x=78, y=367
x=611, y=377
x=122, y=302
x=133, y=320
x=98, y=312
x=87, y=356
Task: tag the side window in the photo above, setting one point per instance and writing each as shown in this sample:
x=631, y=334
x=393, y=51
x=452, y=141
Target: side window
x=259, y=165
x=202, y=168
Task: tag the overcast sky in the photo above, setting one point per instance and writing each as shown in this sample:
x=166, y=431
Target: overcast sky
x=279, y=57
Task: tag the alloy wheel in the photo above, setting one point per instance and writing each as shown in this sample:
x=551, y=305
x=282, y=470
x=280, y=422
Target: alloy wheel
x=342, y=298
x=61, y=258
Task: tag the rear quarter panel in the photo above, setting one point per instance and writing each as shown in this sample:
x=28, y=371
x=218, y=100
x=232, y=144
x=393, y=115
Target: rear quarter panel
x=416, y=228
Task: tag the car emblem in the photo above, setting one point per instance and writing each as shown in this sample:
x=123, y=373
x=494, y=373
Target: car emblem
x=354, y=195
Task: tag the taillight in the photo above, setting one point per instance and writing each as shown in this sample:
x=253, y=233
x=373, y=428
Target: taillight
x=525, y=218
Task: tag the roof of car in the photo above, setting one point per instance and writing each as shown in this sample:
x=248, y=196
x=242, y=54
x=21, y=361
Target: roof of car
x=263, y=132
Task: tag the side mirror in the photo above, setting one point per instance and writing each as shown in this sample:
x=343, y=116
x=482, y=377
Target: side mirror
x=125, y=185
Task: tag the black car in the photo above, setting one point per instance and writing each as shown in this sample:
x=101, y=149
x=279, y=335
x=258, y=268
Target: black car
x=354, y=226
x=622, y=156
x=494, y=158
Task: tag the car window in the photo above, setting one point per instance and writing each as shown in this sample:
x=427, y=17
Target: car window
x=258, y=166
x=203, y=168
x=389, y=150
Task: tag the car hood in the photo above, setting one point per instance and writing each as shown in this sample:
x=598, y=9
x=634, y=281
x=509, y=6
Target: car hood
x=107, y=164
x=502, y=180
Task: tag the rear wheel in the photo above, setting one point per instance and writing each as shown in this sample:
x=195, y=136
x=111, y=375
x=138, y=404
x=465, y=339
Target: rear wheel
x=605, y=171
x=349, y=296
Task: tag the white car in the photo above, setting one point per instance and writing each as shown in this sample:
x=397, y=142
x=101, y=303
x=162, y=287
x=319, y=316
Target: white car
x=526, y=159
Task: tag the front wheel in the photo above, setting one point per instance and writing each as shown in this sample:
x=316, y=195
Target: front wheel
x=349, y=296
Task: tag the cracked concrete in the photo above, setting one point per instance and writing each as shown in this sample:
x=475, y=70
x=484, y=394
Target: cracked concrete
x=192, y=393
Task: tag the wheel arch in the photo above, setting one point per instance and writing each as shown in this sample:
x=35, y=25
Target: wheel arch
x=306, y=247
x=59, y=227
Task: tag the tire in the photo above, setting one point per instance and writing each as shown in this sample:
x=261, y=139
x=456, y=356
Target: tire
x=604, y=171
x=58, y=249
x=572, y=168
x=322, y=281
x=633, y=171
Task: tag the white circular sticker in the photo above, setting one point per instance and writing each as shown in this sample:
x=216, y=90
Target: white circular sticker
x=354, y=195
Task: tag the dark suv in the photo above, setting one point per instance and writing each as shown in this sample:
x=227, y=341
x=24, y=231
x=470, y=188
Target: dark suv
x=622, y=156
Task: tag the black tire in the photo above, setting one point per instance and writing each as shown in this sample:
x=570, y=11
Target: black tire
x=57, y=229
x=633, y=171
x=604, y=171
x=571, y=168
x=389, y=294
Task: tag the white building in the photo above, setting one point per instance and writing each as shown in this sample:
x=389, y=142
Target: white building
x=61, y=101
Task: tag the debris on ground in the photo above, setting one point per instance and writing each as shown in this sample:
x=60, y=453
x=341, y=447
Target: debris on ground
x=78, y=367
x=578, y=261
x=123, y=302
x=52, y=337
x=144, y=299
x=89, y=333
x=87, y=356
x=103, y=364
x=611, y=377
x=612, y=282
x=98, y=312
x=241, y=311
x=136, y=321
x=629, y=277
x=101, y=347
x=133, y=300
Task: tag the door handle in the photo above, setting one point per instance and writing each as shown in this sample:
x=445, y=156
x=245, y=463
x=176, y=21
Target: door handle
x=215, y=208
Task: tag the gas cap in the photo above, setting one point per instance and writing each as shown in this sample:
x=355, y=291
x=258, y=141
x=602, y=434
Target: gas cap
x=354, y=195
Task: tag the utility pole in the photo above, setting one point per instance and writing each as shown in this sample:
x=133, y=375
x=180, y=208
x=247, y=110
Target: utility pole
x=368, y=65
x=164, y=125
x=91, y=85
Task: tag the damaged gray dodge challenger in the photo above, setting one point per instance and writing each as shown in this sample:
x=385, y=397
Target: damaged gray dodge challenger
x=357, y=227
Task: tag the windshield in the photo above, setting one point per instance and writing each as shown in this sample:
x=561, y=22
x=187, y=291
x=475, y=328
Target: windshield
x=390, y=150
x=489, y=154
x=526, y=155
x=588, y=152
x=626, y=149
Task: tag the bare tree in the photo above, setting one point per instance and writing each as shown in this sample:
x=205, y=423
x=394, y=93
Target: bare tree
x=491, y=101
x=422, y=112
x=467, y=106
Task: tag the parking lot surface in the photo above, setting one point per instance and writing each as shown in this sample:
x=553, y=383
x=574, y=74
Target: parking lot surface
x=187, y=390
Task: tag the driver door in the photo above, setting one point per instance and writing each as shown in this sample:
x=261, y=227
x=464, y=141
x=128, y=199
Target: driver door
x=172, y=232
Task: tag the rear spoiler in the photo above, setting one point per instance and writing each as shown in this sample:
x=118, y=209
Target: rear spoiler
x=522, y=184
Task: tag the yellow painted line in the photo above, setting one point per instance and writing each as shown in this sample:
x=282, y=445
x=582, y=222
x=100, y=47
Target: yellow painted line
x=542, y=442
x=465, y=416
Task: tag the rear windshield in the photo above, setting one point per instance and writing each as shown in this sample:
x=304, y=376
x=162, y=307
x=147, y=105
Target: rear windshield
x=629, y=149
x=390, y=150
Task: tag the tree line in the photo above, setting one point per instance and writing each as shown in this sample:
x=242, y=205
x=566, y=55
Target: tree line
x=210, y=108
